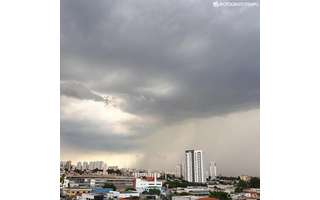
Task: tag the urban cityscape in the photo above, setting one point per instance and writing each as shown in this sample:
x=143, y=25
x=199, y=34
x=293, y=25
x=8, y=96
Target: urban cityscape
x=187, y=181
x=159, y=100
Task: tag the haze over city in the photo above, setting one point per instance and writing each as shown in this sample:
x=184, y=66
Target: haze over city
x=142, y=81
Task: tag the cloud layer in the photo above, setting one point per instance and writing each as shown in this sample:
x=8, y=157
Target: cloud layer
x=162, y=64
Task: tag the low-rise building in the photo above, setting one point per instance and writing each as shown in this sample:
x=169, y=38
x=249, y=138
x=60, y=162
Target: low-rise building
x=131, y=194
x=121, y=182
x=102, y=190
x=197, y=191
x=74, y=192
x=146, y=174
x=91, y=196
x=245, y=178
x=189, y=197
x=252, y=193
x=247, y=194
x=192, y=190
x=220, y=187
x=208, y=198
x=113, y=195
x=142, y=185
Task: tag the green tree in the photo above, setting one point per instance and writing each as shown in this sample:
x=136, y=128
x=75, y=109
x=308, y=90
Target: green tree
x=183, y=194
x=152, y=192
x=110, y=185
x=129, y=189
x=241, y=185
x=238, y=190
x=181, y=183
x=62, y=178
x=220, y=195
x=78, y=171
x=254, y=182
x=113, y=171
x=97, y=170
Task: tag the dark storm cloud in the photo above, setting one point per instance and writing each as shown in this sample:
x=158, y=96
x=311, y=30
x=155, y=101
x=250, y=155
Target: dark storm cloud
x=210, y=56
x=78, y=90
x=170, y=60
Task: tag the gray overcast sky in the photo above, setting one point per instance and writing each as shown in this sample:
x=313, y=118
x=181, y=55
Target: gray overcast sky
x=179, y=74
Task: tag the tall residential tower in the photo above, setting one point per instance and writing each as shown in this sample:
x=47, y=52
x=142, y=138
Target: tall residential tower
x=194, y=166
x=213, y=170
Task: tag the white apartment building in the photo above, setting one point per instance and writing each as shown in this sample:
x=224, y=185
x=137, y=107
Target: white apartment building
x=63, y=164
x=85, y=165
x=198, y=167
x=96, y=165
x=144, y=185
x=189, y=166
x=213, y=170
x=91, y=165
x=178, y=170
x=146, y=174
x=194, y=166
x=122, y=195
x=79, y=166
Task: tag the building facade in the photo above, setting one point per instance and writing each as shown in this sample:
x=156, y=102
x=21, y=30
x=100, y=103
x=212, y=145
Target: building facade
x=79, y=166
x=189, y=176
x=213, y=170
x=194, y=166
x=141, y=185
x=178, y=171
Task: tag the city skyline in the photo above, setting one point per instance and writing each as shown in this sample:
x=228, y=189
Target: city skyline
x=193, y=162
x=211, y=169
x=141, y=82
x=193, y=165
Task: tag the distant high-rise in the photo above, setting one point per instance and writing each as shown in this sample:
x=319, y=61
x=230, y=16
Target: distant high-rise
x=96, y=165
x=189, y=166
x=79, y=166
x=213, y=170
x=178, y=171
x=68, y=165
x=63, y=164
x=183, y=169
x=85, y=165
x=194, y=166
x=198, y=166
x=91, y=165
